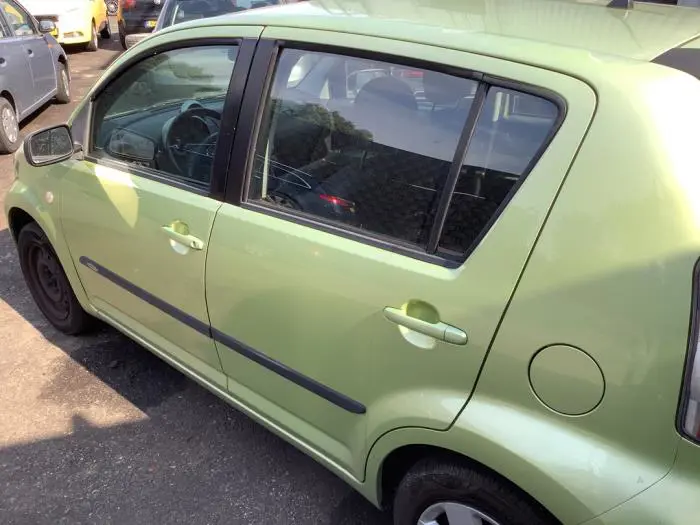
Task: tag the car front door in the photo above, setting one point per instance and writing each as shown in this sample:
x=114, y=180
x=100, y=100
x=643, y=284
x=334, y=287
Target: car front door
x=138, y=211
x=36, y=48
x=366, y=254
x=15, y=73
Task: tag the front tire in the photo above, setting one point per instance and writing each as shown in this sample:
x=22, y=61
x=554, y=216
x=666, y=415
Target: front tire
x=93, y=44
x=48, y=283
x=63, y=93
x=122, y=36
x=444, y=493
x=9, y=127
x=106, y=33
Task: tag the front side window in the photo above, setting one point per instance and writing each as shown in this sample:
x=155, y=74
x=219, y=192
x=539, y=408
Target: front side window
x=164, y=113
x=360, y=142
x=20, y=21
x=370, y=145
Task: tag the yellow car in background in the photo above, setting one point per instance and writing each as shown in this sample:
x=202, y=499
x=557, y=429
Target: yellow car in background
x=77, y=21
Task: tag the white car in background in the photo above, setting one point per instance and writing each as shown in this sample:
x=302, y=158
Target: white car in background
x=77, y=21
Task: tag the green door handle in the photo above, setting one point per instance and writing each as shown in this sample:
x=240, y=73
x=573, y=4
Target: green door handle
x=441, y=331
x=183, y=238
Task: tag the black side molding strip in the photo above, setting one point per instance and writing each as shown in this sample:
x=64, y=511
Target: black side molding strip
x=281, y=369
x=303, y=381
x=151, y=299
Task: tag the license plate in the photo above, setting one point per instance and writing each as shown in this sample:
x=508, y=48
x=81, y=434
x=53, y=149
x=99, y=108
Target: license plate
x=151, y=24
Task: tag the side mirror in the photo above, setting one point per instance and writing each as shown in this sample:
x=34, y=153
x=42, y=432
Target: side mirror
x=46, y=26
x=129, y=145
x=49, y=146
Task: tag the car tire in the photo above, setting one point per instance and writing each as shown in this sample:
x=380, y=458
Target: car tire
x=442, y=491
x=93, y=44
x=63, y=92
x=106, y=32
x=9, y=127
x=48, y=283
x=122, y=37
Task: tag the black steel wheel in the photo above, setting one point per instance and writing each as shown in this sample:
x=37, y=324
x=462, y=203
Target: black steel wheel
x=48, y=283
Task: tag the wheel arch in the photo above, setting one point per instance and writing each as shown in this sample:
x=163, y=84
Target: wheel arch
x=400, y=460
x=63, y=59
x=7, y=95
x=17, y=219
x=543, y=480
x=22, y=210
x=571, y=472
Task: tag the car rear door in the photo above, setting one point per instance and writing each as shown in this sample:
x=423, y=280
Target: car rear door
x=137, y=212
x=375, y=227
x=15, y=72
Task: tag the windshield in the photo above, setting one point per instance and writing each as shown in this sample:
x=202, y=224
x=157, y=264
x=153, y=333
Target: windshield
x=177, y=11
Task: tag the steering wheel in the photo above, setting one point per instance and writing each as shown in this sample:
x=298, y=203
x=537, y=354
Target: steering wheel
x=191, y=134
x=199, y=162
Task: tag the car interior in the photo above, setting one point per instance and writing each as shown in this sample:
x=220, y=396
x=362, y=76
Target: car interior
x=366, y=143
x=383, y=145
x=179, y=132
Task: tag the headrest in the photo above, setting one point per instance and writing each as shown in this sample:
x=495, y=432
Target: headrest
x=443, y=90
x=383, y=92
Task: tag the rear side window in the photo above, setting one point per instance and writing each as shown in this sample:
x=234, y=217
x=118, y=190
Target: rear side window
x=372, y=146
x=511, y=129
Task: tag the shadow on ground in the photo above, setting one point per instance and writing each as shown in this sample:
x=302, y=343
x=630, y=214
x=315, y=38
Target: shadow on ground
x=191, y=459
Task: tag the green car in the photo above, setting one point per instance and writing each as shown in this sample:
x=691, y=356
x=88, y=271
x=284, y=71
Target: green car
x=448, y=249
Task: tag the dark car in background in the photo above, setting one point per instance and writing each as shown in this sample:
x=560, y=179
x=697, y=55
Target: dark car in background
x=139, y=19
x=177, y=11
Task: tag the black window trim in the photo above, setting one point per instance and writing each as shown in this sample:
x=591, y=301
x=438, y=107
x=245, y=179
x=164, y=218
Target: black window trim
x=255, y=104
x=232, y=106
x=6, y=30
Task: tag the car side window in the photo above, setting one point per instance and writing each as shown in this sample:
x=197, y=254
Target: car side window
x=20, y=21
x=359, y=142
x=511, y=130
x=163, y=114
x=369, y=145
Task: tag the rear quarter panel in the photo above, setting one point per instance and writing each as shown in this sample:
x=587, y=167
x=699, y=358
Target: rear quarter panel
x=610, y=274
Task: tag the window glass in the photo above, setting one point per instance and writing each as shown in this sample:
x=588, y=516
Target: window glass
x=511, y=130
x=18, y=18
x=164, y=113
x=359, y=142
x=4, y=29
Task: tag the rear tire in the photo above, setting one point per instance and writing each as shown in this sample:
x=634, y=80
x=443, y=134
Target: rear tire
x=93, y=44
x=63, y=93
x=48, y=283
x=9, y=127
x=449, y=493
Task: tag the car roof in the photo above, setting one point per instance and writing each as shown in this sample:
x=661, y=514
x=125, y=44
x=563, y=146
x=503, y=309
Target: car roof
x=541, y=32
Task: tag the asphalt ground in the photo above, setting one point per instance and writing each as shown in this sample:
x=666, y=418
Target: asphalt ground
x=98, y=430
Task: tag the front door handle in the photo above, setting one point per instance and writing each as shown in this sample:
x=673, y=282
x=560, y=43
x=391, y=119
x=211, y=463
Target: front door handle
x=181, y=235
x=439, y=330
